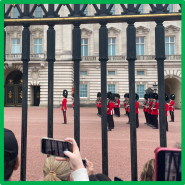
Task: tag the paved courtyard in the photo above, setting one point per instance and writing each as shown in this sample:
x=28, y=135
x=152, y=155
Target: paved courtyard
x=90, y=135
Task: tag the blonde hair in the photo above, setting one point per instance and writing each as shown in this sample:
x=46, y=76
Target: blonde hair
x=56, y=170
x=148, y=172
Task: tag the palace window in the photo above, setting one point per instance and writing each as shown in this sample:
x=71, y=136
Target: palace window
x=83, y=73
x=140, y=46
x=111, y=72
x=15, y=45
x=112, y=88
x=84, y=47
x=170, y=7
x=38, y=12
x=15, y=12
x=86, y=9
x=37, y=45
x=111, y=46
x=140, y=72
x=170, y=45
x=141, y=8
x=141, y=90
x=112, y=9
x=83, y=90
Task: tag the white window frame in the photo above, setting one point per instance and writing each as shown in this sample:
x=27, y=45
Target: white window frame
x=140, y=71
x=111, y=71
x=111, y=44
x=87, y=90
x=40, y=11
x=140, y=91
x=170, y=45
x=140, y=45
x=37, y=45
x=84, y=47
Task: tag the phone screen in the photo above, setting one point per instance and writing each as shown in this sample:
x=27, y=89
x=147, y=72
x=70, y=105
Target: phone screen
x=169, y=166
x=55, y=147
x=84, y=162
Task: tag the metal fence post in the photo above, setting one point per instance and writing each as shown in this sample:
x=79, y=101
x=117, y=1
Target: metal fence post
x=51, y=60
x=76, y=58
x=25, y=58
x=103, y=58
x=4, y=43
x=160, y=57
x=131, y=57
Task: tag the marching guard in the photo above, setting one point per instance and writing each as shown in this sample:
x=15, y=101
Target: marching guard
x=171, y=107
x=128, y=108
x=145, y=110
x=99, y=105
x=154, y=113
x=166, y=110
x=117, y=105
x=97, y=102
x=149, y=106
x=124, y=103
x=110, y=107
x=137, y=109
x=64, y=105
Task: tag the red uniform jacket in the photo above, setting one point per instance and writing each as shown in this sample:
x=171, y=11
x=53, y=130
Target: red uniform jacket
x=73, y=103
x=118, y=104
x=155, y=110
x=149, y=109
x=64, y=104
x=171, y=106
x=166, y=109
x=99, y=105
x=97, y=102
x=137, y=107
x=124, y=105
x=110, y=107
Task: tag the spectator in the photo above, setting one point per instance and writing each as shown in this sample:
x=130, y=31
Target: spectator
x=11, y=158
x=99, y=177
x=148, y=173
x=56, y=170
x=79, y=172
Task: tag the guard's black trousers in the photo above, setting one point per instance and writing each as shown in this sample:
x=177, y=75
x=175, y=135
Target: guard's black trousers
x=110, y=121
x=146, y=117
x=149, y=118
x=99, y=110
x=166, y=124
x=172, y=115
x=137, y=121
x=155, y=120
x=117, y=111
x=64, y=114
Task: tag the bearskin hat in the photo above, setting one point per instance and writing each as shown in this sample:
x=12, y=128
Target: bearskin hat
x=150, y=95
x=109, y=94
x=166, y=97
x=136, y=96
x=172, y=96
x=98, y=94
x=113, y=97
x=125, y=95
x=65, y=93
x=73, y=95
x=118, y=96
x=155, y=96
x=146, y=96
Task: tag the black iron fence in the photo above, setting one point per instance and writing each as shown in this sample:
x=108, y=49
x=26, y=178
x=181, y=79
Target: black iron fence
x=103, y=16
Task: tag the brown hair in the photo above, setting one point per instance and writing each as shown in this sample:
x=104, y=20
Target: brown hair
x=56, y=170
x=148, y=172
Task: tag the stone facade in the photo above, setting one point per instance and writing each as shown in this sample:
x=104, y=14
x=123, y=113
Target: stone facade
x=63, y=66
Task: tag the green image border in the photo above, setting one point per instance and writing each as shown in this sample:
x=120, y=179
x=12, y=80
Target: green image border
x=2, y=2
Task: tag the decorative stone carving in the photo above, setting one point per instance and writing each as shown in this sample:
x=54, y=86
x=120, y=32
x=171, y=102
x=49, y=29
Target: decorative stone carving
x=141, y=30
x=35, y=73
x=113, y=31
x=85, y=32
x=37, y=32
x=171, y=29
x=15, y=31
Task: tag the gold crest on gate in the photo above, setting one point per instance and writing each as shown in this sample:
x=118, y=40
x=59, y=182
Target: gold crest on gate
x=10, y=94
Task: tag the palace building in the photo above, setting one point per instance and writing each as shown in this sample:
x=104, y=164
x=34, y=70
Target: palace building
x=90, y=76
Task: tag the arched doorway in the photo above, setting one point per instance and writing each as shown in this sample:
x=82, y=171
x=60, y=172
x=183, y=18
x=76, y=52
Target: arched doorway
x=13, y=89
x=173, y=86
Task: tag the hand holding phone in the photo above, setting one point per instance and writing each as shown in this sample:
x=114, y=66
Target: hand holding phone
x=167, y=164
x=117, y=179
x=75, y=159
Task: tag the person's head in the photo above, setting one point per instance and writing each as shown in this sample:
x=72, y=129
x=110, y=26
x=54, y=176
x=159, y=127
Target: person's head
x=99, y=177
x=154, y=100
x=11, y=159
x=148, y=173
x=56, y=170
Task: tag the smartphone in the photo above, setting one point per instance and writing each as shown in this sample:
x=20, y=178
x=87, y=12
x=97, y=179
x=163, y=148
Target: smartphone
x=117, y=179
x=84, y=162
x=167, y=164
x=55, y=147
